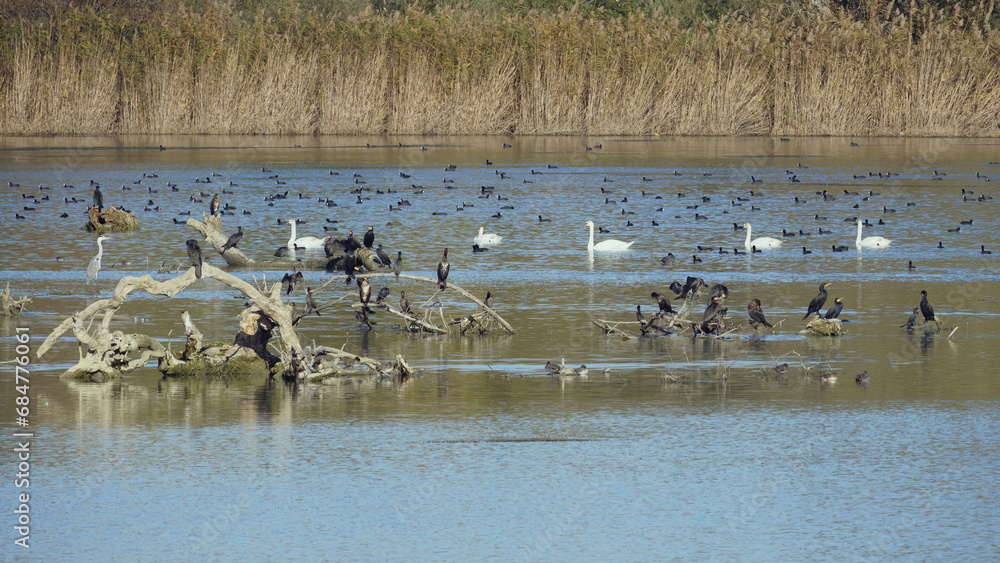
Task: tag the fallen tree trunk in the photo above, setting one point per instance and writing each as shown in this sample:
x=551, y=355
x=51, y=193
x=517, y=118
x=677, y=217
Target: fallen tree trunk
x=99, y=342
x=111, y=354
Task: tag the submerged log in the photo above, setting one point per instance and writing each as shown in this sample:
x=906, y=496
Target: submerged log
x=823, y=327
x=9, y=306
x=111, y=220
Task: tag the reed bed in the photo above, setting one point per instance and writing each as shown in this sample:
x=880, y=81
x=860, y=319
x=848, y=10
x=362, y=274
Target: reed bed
x=455, y=71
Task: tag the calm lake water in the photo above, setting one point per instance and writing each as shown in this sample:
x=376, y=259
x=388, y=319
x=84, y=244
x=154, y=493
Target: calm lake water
x=686, y=449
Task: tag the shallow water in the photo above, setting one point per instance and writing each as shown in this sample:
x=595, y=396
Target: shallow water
x=687, y=448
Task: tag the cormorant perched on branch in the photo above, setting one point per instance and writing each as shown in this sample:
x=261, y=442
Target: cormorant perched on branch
x=233, y=240
x=713, y=309
x=365, y=293
x=310, y=303
x=369, y=238
x=443, y=268
x=663, y=302
x=291, y=279
x=194, y=253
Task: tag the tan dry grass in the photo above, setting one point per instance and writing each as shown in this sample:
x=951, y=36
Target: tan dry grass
x=462, y=72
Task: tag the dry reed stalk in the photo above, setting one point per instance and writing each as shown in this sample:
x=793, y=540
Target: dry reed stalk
x=454, y=71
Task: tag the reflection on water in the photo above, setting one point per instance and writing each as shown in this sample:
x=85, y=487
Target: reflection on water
x=688, y=447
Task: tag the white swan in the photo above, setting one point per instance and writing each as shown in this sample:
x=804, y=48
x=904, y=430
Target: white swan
x=303, y=242
x=870, y=242
x=760, y=243
x=488, y=239
x=610, y=245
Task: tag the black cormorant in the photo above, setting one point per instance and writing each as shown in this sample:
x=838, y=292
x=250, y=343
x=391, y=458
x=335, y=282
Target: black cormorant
x=817, y=302
x=663, y=302
x=365, y=293
x=925, y=307
x=397, y=267
x=233, y=240
x=443, y=268
x=351, y=243
x=834, y=312
x=383, y=257
x=713, y=309
x=194, y=253
x=757, y=314
x=369, y=238
x=350, y=266
x=310, y=303
x=404, y=303
x=718, y=290
x=291, y=279
x=98, y=199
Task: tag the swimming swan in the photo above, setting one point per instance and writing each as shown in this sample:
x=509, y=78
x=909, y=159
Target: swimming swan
x=870, y=242
x=760, y=243
x=605, y=245
x=303, y=242
x=488, y=239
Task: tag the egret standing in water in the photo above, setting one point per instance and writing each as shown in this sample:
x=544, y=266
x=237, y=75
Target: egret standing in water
x=95, y=262
x=194, y=253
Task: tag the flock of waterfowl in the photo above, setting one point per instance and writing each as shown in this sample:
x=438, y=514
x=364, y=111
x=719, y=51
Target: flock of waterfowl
x=340, y=252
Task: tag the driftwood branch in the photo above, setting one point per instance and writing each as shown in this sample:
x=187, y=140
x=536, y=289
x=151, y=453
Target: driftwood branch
x=99, y=342
x=9, y=306
x=506, y=326
x=211, y=229
x=678, y=320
